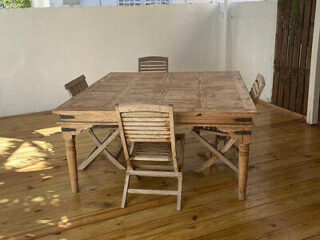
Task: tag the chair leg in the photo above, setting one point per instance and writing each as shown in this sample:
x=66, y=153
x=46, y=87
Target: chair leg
x=214, y=144
x=179, y=192
x=219, y=153
x=87, y=161
x=120, y=151
x=101, y=147
x=181, y=139
x=125, y=190
x=206, y=164
x=182, y=152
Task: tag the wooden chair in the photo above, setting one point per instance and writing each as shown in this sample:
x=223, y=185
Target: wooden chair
x=150, y=131
x=257, y=88
x=75, y=87
x=255, y=93
x=153, y=64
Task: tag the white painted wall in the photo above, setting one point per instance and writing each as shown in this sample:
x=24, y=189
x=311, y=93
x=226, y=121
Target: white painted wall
x=314, y=85
x=42, y=49
x=252, y=41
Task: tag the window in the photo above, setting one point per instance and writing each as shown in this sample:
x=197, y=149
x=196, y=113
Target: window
x=142, y=2
x=88, y=3
x=129, y=2
x=154, y=2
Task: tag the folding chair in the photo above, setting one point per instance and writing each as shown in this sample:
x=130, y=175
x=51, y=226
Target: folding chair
x=75, y=87
x=255, y=93
x=153, y=64
x=257, y=88
x=150, y=131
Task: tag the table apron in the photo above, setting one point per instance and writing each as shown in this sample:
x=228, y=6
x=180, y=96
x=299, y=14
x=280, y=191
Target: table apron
x=194, y=119
x=242, y=132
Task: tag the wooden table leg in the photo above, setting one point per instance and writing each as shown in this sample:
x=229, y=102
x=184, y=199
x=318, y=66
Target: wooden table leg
x=72, y=161
x=243, y=170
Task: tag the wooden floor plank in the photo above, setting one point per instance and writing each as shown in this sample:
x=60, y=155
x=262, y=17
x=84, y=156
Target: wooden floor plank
x=204, y=207
x=197, y=229
x=277, y=226
x=306, y=230
x=284, y=176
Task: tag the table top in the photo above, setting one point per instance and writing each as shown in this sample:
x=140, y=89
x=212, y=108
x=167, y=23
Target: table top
x=204, y=92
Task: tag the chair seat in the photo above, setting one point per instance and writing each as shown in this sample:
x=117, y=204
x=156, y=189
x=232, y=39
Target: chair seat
x=152, y=152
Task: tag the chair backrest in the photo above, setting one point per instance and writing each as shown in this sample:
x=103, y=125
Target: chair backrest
x=76, y=86
x=257, y=88
x=153, y=64
x=145, y=123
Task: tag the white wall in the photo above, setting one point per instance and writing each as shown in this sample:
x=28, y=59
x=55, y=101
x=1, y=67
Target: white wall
x=314, y=85
x=42, y=49
x=252, y=41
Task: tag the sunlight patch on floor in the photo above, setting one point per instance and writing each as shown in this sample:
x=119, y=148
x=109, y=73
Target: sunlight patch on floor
x=45, y=221
x=4, y=200
x=44, y=146
x=48, y=131
x=37, y=199
x=30, y=157
x=45, y=177
x=8, y=143
x=64, y=222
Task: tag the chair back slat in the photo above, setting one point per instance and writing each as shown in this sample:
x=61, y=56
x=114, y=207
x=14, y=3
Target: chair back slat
x=153, y=64
x=146, y=123
x=76, y=86
x=257, y=88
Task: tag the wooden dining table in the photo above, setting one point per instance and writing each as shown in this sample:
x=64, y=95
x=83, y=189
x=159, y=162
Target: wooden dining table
x=200, y=99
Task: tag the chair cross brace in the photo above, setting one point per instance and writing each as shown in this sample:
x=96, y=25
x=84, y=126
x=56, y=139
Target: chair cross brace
x=101, y=147
x=217, y=154
x=127, y=190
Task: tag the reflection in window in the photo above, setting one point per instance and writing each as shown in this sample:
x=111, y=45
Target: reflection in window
x=129, y=2
x=142, y=2
x=154, y=2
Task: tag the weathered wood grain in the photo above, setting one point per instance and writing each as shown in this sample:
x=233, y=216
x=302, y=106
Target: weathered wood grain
x=199, y=99
x=283, y=187
x=149, y=146
x=222, y=93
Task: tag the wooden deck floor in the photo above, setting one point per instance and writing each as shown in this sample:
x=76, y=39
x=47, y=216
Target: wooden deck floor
x=283, y=188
